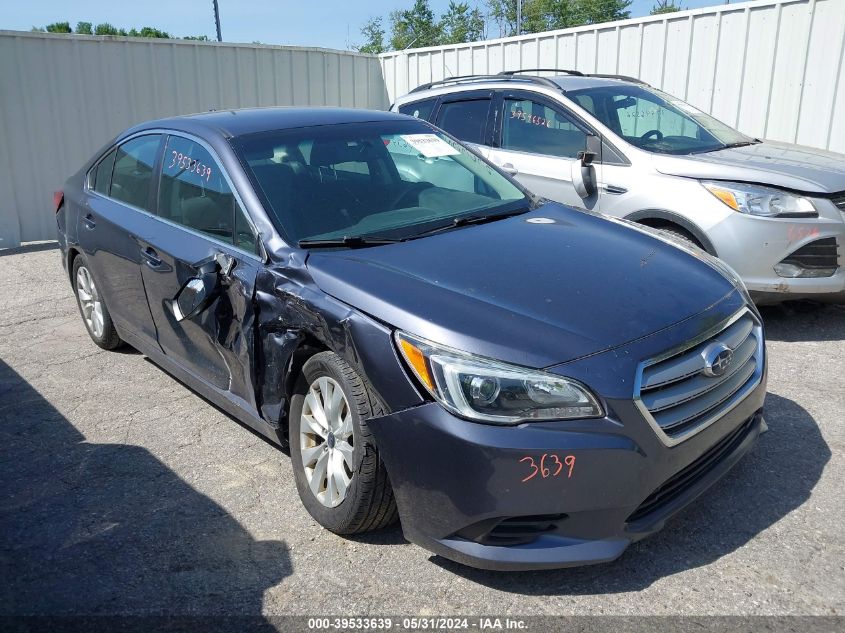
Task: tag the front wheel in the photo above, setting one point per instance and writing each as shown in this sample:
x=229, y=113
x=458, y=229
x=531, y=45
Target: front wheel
x=339, y=474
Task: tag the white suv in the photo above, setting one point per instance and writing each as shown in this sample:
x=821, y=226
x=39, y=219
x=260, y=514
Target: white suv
x=774, y=212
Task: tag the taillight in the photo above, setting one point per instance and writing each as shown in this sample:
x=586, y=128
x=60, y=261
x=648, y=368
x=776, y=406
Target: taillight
x=58, y=198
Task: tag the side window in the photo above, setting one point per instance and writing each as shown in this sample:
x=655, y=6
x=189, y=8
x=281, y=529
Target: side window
x=419, y=109
x=102, y=173
x=465, y=120
x=533, y=127
x=195, y=194
x=133, y=171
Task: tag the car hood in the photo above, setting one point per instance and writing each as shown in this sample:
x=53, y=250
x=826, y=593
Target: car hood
x=536, y=289
x=804, y=169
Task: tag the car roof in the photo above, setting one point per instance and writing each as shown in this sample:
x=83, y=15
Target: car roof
x=566, y=81
x=231, y=123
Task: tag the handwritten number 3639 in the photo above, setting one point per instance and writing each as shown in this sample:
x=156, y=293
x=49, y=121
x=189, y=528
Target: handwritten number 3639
x=550, y=466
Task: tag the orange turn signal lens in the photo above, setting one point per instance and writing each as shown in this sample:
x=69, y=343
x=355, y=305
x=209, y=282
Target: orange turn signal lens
x=417, y=361
x=724, y=195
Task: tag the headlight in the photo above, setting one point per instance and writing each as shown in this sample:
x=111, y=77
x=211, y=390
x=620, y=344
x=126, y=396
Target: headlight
x=487, y=390
x=761, y=201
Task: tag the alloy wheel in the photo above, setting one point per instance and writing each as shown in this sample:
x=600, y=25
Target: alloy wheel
x=89, y=299
x=326, y=441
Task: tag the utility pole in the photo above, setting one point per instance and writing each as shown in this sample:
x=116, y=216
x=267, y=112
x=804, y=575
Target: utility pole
x=217, y=20
x=518, y=17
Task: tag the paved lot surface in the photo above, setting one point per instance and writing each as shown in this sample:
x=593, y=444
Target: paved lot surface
x=121, y=491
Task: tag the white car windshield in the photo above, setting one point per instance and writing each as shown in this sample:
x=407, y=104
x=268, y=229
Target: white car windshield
x=655, y=121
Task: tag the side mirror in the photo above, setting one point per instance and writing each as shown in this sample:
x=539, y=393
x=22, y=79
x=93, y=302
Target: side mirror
x=194, y=297
x=198, y=292
x=583, y=172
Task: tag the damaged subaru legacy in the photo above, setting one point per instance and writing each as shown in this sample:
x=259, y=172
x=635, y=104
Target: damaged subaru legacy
x=523, y=384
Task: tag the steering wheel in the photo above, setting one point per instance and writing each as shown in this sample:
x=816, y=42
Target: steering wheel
x=657, y=134
x=413, y=189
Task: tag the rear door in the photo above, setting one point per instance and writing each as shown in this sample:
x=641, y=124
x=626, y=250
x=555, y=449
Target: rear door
x=114, y=218
x=538, y=141
x=467, y=117
x=201, y=222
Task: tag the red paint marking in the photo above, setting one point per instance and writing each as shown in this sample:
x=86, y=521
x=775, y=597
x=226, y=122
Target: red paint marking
x=545, y=471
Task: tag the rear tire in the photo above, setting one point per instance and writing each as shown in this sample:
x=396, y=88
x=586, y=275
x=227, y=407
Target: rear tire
x=339, y=473
x=92, y=307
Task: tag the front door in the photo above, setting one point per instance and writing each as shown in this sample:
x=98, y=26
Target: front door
x=202, y=227
x=538, y=143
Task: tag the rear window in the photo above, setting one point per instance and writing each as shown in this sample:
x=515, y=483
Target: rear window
x=102, y=173
x=133, y=171
x=419, y=109
x=466, y=120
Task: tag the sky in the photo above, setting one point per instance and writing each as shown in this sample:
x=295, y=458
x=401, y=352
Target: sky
x=323, y=23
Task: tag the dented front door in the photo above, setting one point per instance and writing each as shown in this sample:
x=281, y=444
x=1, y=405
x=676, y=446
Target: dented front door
x=203, y=232
x=215, y=344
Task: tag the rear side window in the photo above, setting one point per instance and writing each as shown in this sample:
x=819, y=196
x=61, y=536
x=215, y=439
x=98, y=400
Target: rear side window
x=133, y=171
x=534, y=127
x=195, y=194
x=102, y=173
x=419, y=109
x=466, y=120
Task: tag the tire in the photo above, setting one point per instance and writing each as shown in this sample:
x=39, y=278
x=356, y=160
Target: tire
x=348, y=450
x=681, y=235
x=92, y=307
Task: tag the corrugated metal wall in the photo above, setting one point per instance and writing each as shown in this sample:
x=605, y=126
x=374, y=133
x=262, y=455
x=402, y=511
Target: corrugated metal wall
x=64, y=96
x=772, y=68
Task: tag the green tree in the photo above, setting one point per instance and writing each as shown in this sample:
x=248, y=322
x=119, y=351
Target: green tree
x=665, y=6
x=373, y=33
x=148, y=31
x=84, y=28
x=105, y=28
x=414, y=27
x=59, y=27
x=597, y=11
x=461, y=24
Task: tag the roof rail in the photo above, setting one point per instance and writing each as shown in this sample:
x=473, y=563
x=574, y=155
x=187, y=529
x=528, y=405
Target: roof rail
x=500, y=77
x=622, y=77
x=563, y=71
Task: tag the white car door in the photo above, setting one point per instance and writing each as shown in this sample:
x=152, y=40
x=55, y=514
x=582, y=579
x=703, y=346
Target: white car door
x=538, y=143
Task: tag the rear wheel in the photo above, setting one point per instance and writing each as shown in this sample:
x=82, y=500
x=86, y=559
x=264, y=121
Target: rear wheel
x=92, y=307
x=339, y=474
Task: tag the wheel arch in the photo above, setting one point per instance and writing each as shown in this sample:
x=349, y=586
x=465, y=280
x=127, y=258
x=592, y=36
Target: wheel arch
x=659, y=218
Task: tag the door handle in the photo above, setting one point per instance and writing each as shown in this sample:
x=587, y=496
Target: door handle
x=151, y=258
x=89, y=221
x=509, y=169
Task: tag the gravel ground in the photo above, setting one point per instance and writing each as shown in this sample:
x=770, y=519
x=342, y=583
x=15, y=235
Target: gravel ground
x=123, y=492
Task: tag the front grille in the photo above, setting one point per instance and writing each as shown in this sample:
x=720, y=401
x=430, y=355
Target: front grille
x=819, y=254
x=839, y=201
x=677, y=393
x=686, y=478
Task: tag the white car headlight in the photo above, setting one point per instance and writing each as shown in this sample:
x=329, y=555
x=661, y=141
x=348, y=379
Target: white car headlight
x=761, y=201
x=490, y=391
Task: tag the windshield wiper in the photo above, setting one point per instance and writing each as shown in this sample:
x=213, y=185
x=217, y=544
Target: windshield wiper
x=466, y=220
x=352, y=241
x=742, y=143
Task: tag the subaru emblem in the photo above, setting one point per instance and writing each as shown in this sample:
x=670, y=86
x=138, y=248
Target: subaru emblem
x=717, y=359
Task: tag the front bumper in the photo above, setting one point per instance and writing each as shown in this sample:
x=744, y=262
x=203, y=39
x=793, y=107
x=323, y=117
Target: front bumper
x=460, y=490
x=753, y=246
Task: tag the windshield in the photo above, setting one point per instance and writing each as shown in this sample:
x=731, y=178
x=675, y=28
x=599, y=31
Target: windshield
x=391, y=180
x=655, y=121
